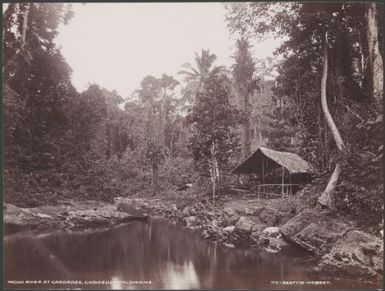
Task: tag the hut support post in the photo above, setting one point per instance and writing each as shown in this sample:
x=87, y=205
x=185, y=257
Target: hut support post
x=258, y=191
x=263, y=171
x=291, y=189
x=283, y=182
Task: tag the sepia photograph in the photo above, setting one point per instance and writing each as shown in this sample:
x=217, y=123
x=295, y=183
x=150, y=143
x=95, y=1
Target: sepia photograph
x=193, y=145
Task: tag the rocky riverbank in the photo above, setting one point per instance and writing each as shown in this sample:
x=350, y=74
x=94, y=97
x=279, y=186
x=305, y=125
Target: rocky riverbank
x=338, y=246
x=68, y=215
x=340, y=249
x=241, y=223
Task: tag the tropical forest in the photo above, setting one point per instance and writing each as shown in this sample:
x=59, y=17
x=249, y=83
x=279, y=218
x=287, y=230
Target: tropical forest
x=258, y=173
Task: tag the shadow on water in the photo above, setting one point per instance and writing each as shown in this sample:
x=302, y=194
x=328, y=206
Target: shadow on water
x=152, y=255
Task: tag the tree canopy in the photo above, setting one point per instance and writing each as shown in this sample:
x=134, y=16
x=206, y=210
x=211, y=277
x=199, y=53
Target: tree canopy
x=59, y=142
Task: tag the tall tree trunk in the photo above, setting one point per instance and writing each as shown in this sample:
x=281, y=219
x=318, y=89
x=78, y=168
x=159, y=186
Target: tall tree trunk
x=362, y=60
x=375, y=58
x=162, y=121
x=326, y=199
x=213, y=182
x=214, y=172
x=171, y=148
x=338, y=63
x=155, y=178
x=341, y=69
x=151, y=134
x=25, y=26
x=120, y=138
x=109, y=143
x=7, y=16
x=257, y=135
x=321, y=145
x=246, y=126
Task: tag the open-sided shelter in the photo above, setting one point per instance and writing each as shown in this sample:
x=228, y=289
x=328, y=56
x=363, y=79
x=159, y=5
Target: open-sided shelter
x=274, y=168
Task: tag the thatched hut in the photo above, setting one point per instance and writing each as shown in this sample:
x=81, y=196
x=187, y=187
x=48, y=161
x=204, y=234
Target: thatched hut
x=274, y=169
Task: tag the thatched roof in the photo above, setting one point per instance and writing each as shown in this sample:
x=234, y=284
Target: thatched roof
x=293, y=163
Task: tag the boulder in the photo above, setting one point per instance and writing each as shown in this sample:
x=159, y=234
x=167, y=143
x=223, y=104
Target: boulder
x=190, y=221
x=214, y=231
x=186, y=211
x=245, y=224
x=228, y=245
x=269, y=216
x=355, y=254
x=211, y=213
x=229, y=211
x=249, y=211
x=277, y=243
x=257, y=231
x=229, y=229
x=314, y=231
x=215, y=223
x=135, y=206
x=272, y=239
x=230, y=217
x=272, y=231
x=131, y=209
x=268, y=237
x=294, y=225
x=16, y=219
x=193, y=210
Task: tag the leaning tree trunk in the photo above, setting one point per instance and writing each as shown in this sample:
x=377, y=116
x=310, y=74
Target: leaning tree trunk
x=326, y=199
x=375, y=58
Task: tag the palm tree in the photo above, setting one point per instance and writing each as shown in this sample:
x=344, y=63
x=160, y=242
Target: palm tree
x=195, y=77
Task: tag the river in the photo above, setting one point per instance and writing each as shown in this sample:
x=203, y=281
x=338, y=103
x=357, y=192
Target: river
x=153, y=255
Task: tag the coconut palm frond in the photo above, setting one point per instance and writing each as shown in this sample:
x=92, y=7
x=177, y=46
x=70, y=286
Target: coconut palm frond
x=195, y=76
x=187, y=73
x=189, y=67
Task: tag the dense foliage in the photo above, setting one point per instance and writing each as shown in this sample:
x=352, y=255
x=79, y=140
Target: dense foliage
x=60, y=143
x=352, y=103
x=213, y=142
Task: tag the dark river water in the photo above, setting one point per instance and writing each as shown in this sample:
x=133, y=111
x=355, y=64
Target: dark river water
x=154, y=255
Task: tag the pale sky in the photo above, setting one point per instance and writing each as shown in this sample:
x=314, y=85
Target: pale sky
x=117, y=44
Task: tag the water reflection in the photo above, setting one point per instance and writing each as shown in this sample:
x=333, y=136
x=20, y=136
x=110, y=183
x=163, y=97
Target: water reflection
x=180, y=276
x=116, y=283
x=156, y=255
